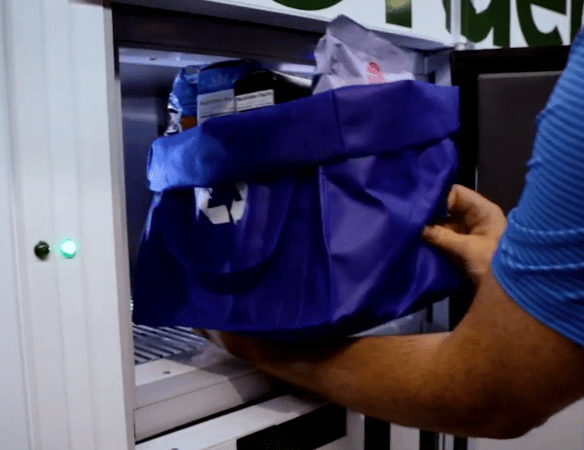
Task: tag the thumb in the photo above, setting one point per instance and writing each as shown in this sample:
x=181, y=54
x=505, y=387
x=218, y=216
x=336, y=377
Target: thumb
x=451, y=242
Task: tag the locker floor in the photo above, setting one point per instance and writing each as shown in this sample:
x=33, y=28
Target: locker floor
x=151, y=343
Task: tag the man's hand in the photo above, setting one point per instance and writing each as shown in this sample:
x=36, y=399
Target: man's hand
x=471, y=234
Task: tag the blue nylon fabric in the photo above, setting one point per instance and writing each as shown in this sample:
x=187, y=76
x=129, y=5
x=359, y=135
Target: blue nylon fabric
x=340, y=186
x=347, y=122
x=220, y=77
x=184, y=93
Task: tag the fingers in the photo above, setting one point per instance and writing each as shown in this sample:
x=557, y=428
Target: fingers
x=451, y=242
x=478, y=214
x=471, y=233
x=462, y=200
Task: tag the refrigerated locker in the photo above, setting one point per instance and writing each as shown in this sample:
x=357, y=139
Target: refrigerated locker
x=84, y=92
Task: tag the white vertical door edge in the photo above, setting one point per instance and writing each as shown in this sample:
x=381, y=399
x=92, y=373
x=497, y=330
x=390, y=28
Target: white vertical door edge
x=14, y=411
x=404, y=438
x=65, y=135
x=121, y=248
x=448, y=442
x=355, y=430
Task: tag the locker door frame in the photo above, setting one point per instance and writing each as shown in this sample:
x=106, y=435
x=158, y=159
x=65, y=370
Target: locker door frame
x=143, y=27
x=14, y=408
x=297, y=20
x=65, y=126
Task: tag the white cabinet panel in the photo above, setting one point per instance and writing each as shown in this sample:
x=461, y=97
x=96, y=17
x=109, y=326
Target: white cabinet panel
x=13, y=404
x=65, y=135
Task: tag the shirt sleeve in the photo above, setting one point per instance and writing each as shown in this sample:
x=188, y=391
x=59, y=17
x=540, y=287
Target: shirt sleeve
x=540, y=258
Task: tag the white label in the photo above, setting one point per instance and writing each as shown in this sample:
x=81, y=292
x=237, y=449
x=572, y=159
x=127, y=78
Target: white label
x=245, y=102
x=215, y=104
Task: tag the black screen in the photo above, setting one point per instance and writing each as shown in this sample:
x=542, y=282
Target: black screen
x=508, y=105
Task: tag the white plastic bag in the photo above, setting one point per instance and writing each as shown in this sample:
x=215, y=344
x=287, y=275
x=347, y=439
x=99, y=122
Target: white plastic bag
x=349, y=54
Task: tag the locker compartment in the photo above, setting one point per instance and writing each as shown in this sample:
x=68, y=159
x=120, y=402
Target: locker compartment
x=180, y=377
x=96, y=381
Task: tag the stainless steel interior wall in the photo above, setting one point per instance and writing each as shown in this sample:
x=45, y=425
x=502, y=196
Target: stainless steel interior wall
x=143, y=119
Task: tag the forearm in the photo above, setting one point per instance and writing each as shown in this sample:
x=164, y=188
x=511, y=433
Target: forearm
x=397, y=379
x=494, y=376
x=389, y=378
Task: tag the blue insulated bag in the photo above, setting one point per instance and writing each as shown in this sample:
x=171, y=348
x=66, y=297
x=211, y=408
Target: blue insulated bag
x=319, y=237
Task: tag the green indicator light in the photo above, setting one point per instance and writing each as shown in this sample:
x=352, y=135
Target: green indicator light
x=68, y=248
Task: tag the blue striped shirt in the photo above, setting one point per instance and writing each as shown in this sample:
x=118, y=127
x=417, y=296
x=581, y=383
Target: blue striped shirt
x=540, y=259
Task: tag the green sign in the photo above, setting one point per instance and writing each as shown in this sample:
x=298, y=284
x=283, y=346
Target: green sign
x=476, y=26
x=497, y=17
x=399, y=12
x=530, y=32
